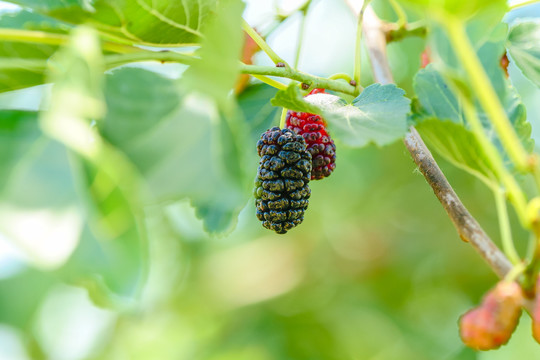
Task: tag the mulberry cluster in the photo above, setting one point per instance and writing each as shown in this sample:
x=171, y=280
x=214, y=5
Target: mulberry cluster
x=319, y=143
x=281, y=187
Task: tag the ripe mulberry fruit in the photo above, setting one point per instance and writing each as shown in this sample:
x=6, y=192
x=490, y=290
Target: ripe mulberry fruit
x=281, y=187
x=319, y=143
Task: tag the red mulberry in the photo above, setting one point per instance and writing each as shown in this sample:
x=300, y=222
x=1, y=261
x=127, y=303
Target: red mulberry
x=319, y=143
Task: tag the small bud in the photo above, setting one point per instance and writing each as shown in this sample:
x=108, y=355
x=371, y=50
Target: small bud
x=492, y=323
x=305, y=86
x=352, y=82
x=280, y=64
x=504, y=62
x=425, y=57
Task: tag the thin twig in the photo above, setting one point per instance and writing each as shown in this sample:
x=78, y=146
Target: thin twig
x=467, y=226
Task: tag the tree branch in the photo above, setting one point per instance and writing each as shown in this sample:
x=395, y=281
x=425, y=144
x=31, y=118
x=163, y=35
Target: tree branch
x=466, y=225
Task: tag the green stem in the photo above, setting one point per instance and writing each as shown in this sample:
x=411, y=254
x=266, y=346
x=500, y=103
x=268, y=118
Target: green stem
x=402, y=17
x=358, y=47
x=525, y=3
x=515, y=193
x=270, y=81
x=283, y=118
x=300, y=37
x=481, y=86
x=42, y=37
x=112, y=61
x=261, y=43
x=504, y=226
x=311, y=80
x=341, y=76
x=133, y=54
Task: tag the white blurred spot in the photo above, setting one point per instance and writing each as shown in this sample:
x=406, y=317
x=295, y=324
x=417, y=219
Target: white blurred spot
x=11, y=259
x=254, y=272
x=46, y=238
x=69, y=326
x=11, y=344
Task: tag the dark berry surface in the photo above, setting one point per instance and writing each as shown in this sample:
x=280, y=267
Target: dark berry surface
x=281, y=187
x=319, y=143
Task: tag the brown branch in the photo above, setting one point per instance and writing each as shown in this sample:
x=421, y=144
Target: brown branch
x=466, y=225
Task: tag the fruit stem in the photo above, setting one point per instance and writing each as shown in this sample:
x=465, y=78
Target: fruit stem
x=487, y=97
x=271, y=82
x=311, y=80
x=358, y=48
x=304, y=11
x=402, y=16
x=515, y=272
x=505, y=230
x=262, y=43
x=283, y=118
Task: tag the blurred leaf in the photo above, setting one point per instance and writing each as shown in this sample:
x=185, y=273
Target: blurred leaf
x=291, y=98
x=254, y=102
x=18, y=131
x=21, y=296
x=108, y=180
x=112, y=253
x=38, y=204
x=459, y=8
x=156, y=22
x=457, y=145
x=217, y=72
x=524, y=47
x=134, y=110
x=178, y=143
x=23, y=64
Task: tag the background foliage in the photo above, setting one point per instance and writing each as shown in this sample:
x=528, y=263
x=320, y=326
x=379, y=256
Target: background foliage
x=96, y=265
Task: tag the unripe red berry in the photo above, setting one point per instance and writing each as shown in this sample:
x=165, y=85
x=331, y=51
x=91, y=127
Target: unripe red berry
x=320, y=145
x=492, y=323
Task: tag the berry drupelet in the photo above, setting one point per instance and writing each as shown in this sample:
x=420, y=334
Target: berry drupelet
x=281, y=187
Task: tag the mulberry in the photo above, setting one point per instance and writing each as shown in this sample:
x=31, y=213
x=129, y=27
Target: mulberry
x=319, y=143
x=281, y=187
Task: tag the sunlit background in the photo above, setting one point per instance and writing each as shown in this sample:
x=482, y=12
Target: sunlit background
x=376, y=271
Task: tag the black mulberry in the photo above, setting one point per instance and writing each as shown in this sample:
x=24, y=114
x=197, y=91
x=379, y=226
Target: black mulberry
x=281, y=187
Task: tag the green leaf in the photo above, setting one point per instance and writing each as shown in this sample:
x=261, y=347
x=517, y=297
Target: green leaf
x=291, y=98
x=21, y=296
x=23, y=64
x=524, y=47
x=378, y=115
x=458, y=146
x=217, y=72
x=149, y=22
x=437, y=100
